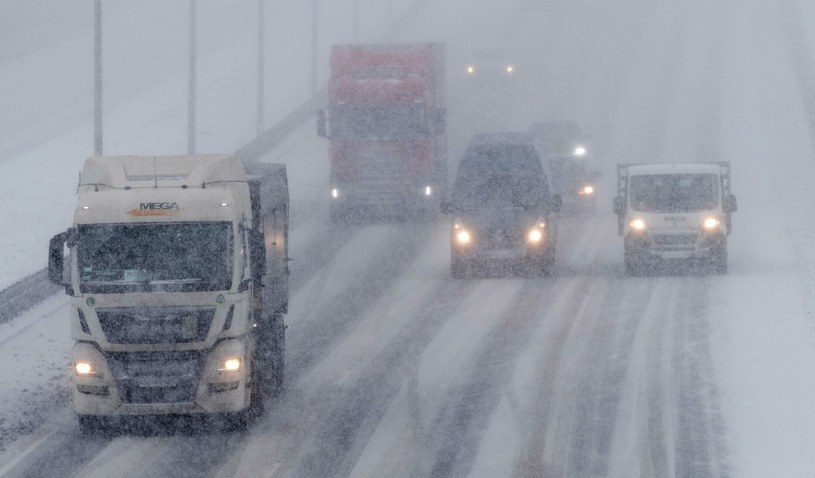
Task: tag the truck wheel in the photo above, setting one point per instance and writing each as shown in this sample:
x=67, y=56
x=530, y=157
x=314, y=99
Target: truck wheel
x=460, y=269
x=720, y=260
x=337, y=213
x=544, y=265
x=239, y=421
x=633, y=266
x=91, y=424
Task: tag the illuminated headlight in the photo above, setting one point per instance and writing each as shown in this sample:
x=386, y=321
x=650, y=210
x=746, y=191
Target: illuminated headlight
x=85, y=369
x=535, y=236
x=335, y=193
x=579, y=151
x=463, y=236
x=510, y=69
x=637, y=225
x=428, y=191
x=587, y=190
x=470, y=69
x=230, y=365
x=711, y=223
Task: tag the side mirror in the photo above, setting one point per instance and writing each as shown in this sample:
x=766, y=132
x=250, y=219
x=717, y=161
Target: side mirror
x=730, y=205
x=441, y=120
x=56, y=257
x=446, y=207
x=322, y=124
x=557, y=203
x=619, y=205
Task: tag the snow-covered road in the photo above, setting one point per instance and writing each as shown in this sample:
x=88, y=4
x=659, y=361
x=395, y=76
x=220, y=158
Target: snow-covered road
x=394, y=369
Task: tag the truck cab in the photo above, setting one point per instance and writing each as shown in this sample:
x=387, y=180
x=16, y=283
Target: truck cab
x=385, y=124
x=177, y=278
x=503, y=207
x=678, y=212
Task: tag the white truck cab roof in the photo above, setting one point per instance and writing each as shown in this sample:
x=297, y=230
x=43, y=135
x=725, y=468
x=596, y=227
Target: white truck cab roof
x=673, y=168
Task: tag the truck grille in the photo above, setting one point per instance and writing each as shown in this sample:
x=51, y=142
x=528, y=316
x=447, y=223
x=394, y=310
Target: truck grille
x=165, y=325
x=380, y=179
x=500, y=239
x=674, y=239
x=156, y=377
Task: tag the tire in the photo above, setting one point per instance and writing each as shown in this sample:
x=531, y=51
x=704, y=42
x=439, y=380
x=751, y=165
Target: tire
x=239, y=421
x=337, y=214
x=544, y=265
x=462, y=268
x=720, y=260
x=458, y=269
x=633, y=265
x=91, y=424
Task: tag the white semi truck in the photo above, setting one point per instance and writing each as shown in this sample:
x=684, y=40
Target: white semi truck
x=674, y=212
x=177, y=275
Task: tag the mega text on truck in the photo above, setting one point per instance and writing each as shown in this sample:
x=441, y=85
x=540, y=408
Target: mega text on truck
x=386, y=126
x=674, y=212
x=177, y=279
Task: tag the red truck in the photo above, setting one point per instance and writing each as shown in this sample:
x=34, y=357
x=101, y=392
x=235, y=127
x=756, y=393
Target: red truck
x=386, y=126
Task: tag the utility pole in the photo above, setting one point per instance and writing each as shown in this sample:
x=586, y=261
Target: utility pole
x=356, y=20
x=97, y=79
x=313, y=47
x=261, y=64
x=191, y=91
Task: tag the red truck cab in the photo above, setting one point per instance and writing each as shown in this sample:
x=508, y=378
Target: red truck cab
x=385, y=124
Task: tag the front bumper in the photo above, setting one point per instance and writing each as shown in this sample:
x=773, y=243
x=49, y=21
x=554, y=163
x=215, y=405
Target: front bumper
x=675, y=246
x=162, y=382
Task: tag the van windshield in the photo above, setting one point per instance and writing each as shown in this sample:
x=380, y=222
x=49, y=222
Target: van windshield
x=176, y=256
x=500, y=176
x=673, y=193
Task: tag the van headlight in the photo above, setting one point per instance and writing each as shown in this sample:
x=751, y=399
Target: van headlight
x=711, y=223
x=637, y=225
x=534, y=236
x=462, y=235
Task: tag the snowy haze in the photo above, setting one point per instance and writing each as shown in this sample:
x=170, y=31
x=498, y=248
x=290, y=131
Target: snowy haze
x=394, y=369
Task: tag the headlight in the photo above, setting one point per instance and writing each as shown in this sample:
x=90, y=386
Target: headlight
x=510, y=69
x=637, y=224
x=711, y=223
x=470, y=69
x=463, y=236
x=579, y=151
x=587, y=190
x=535, y=236
x=85, y=369
x=335, y=193
x=428, y=191
x=230, y=365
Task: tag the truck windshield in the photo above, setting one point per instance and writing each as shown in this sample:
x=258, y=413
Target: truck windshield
x=168, y=257
x=673, y=193
x=499, y=176
x=401, y=121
